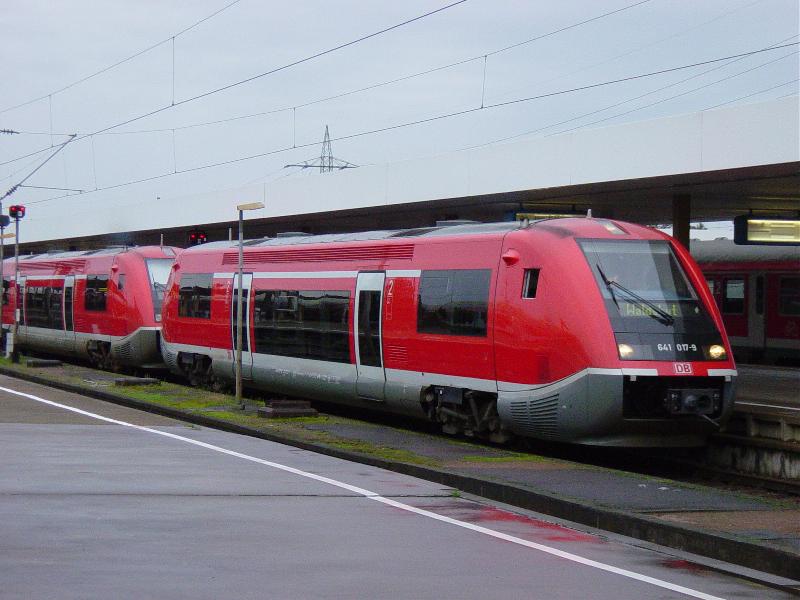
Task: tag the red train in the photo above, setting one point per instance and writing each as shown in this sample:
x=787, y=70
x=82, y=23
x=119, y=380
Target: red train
x=757, y=289
x=104, y=305
x=581, y=330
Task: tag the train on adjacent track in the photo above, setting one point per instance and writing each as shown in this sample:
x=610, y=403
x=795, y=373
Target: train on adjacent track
x=102, y=305
x=757, y=290
x=587, y=331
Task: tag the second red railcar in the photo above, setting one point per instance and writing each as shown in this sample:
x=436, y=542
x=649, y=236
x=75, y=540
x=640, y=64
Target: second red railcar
x=104, y=305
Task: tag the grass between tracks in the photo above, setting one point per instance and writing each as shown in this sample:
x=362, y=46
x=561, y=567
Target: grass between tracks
x=223, y=407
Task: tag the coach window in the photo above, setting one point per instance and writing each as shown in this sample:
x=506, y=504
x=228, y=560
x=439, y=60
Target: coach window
x=94, y=296
x=194, y=297
x=733, y=297
x=43, y=307
x=710, y=284
x=531, y=283
x=303, y=324
x=789, y=296
x=454, y=302
x=6, y=287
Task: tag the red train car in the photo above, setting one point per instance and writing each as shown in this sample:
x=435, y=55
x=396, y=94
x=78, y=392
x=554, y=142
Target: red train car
x=757, y=289
x=104, y=305
x=582, y=330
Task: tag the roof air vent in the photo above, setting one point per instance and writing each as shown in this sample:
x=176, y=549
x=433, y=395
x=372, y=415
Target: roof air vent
x=454, y=222
x=288, y=234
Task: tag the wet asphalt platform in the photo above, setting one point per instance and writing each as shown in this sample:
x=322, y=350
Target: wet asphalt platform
x=108, y=502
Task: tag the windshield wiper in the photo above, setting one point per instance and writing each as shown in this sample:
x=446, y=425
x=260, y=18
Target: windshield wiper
x=658, y=314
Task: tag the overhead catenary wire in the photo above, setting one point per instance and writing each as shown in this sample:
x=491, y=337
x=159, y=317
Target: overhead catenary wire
x=257, y=76
x=16, y=186
x=337, y=96
x=121, y=62
x=425, y=120
x=628, y=100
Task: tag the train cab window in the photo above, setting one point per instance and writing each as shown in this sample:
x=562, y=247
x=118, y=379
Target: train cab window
x=194, y=296
x=531, y=283
x=789, y=297
x=454, y=302
x=94, y=296
x=733, y=297
x=121, y=282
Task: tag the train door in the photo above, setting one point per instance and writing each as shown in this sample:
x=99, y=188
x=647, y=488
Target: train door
x=21, y=316
x=247, y=355
x=371, y=378
x=756, y=316
x=68, y=315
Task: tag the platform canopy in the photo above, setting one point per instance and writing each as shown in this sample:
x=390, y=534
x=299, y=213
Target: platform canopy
x=719, y=163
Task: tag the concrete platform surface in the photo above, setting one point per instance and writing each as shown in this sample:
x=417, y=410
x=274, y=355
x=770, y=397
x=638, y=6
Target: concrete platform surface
x=114, y=503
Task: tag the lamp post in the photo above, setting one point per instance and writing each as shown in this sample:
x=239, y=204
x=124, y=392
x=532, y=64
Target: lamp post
x=238, y=363
x=16, y=212
x=4, y=222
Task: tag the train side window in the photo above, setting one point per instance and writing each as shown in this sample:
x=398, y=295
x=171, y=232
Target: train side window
x=733, y=297
x=43, y=307
x=789, y=297
x=194, y=295
x=94, y=296
x=454, y=302
x=303, y=324
x=710, y=284
x=531, y=283
x=6, y=288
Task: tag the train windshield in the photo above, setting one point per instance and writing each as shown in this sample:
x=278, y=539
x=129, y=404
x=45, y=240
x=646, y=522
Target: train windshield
x=649, y=300
x=158, y=270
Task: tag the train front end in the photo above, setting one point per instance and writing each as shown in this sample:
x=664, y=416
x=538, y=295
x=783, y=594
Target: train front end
x=650, y=364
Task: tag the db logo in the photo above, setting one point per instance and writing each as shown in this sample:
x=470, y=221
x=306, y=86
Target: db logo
x=682, y=368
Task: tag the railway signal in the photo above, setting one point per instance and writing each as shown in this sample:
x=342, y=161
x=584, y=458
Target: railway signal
x=197, y=237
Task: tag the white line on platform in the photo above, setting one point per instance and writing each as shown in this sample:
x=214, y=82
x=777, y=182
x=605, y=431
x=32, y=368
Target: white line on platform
x=777, y=406
x=378, y=498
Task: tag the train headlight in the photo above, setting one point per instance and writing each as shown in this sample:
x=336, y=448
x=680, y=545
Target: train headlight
x=625, y=350
x=717, y=352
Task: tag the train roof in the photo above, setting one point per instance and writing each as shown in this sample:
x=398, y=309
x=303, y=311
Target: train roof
x=111, y=251
x=388, y=234
x=719, y=251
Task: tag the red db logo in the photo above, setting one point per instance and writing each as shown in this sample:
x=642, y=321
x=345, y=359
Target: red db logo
x=683, y=368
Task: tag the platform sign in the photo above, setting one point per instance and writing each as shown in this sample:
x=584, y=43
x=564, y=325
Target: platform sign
x=771, y=231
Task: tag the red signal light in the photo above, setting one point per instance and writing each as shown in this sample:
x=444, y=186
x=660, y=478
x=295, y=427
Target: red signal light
x=17, y=211
x=197, y=237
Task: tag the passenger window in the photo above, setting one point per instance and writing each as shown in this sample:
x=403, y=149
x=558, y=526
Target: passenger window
x=454, y=302
x=710, y=284
x=733, y=297
x=303, y=323
x=531, y=283
x=94, y=296
x=194, y=297
x=789, y=297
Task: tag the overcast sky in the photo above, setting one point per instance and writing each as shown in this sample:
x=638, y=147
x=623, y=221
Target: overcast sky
x=47, y=45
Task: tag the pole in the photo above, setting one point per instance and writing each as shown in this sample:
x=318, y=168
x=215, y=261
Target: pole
x=238, y=367
x=2, y=281
x=14, y=351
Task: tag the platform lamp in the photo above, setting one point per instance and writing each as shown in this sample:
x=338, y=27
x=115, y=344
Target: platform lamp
x=16, y=212
x=238, y=363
